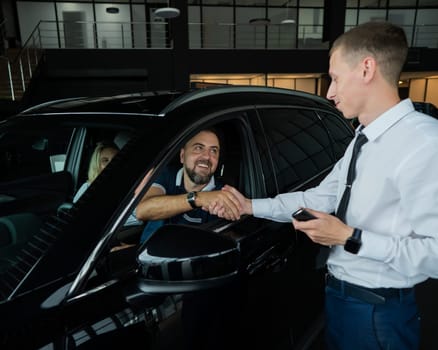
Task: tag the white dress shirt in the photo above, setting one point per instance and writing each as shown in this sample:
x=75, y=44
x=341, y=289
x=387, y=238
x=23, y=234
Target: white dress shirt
x=394, y=200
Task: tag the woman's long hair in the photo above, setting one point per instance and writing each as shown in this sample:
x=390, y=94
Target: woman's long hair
x=94, y=167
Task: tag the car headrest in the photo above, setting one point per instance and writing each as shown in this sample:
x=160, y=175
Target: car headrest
x=122, y=138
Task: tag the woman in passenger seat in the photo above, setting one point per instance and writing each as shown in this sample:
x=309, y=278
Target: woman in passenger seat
x=102, y=155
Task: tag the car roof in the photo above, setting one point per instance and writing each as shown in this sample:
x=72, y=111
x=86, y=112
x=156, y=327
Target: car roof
x=150, y=103
x=163, y=102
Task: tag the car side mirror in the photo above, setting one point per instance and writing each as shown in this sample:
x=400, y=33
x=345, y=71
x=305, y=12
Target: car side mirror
x=183, y=258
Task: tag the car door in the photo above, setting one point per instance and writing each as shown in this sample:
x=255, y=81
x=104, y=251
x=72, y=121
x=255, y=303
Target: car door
x=284, y=289
x=276, y=299
x=106, y=300
x=185, y=319
x=42, y=250
x=297, y=149
x=269, y=303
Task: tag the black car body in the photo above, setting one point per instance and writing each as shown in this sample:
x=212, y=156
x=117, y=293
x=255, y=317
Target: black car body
x=252, y=283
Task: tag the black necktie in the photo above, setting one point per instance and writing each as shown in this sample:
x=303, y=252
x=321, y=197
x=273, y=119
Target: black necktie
x=342, y=208
x=361, y=139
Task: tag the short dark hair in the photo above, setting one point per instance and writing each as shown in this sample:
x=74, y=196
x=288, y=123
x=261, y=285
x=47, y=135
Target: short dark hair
x=384, y=41
x=213, y=130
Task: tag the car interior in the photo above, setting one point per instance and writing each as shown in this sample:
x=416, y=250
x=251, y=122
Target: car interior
x=124, y=244
x=34, y=185
x=22, y=195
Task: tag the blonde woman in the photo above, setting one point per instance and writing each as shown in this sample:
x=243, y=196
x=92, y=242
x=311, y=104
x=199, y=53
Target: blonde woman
x=102, y=155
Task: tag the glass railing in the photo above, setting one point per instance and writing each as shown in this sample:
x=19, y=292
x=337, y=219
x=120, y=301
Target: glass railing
x=20, y=67
x=422, y=35
x=284, y=36
x=16, y=72
x=156, y=35
x=425, y=36
x=104, y=35
x=255, y=36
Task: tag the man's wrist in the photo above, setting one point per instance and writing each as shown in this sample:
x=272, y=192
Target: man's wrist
x=354, y=242
x=191, y=199
x=248, y=205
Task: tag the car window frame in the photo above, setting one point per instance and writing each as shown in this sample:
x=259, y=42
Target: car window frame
x=236, y=116
x=260, y=128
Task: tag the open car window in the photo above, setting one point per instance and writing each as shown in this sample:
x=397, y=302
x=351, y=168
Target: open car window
x=120, y=255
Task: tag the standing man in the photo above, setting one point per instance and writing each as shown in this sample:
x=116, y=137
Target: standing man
x=386, y=240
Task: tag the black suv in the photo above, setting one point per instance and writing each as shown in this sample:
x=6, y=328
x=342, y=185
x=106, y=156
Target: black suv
x=249, y=284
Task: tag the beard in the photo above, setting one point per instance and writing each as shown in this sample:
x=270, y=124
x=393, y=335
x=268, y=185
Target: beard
x=196, y=178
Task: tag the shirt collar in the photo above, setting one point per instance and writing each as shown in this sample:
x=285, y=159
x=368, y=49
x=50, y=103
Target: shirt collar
x=386, y=120
x=179, y=177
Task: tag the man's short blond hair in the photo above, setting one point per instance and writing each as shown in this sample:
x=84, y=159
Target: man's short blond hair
x=384, y=41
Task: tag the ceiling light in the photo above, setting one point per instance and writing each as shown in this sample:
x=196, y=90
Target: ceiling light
x=288, y=21
x=260, y=21
x=167, y=12
x=112, y=10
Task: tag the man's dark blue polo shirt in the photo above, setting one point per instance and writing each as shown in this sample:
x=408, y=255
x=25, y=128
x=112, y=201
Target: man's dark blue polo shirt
x=171, y=182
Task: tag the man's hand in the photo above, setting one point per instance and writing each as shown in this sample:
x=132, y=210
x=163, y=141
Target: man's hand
x=326, y=229
x=244, y=204
x=229, y=204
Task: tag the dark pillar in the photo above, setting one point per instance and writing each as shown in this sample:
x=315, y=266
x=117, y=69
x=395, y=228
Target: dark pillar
x=334, y=19
x=180, y=37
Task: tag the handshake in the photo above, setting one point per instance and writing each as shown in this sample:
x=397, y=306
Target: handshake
x=228, y=203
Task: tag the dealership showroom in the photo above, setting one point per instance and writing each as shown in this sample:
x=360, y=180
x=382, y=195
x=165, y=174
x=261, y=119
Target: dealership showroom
x=142, y=79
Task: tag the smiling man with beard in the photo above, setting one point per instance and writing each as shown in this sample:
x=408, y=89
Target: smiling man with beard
x=178, y=195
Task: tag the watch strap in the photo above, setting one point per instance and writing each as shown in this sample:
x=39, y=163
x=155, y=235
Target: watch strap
x=191, y=198
x=357, y=234
x=354, y=242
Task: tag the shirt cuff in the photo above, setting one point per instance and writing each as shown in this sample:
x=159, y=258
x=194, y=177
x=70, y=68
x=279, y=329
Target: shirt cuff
x=261, y=208
x=375, y=246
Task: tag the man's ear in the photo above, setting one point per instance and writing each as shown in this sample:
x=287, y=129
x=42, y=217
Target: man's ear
x=368, y=68
x=181, y=155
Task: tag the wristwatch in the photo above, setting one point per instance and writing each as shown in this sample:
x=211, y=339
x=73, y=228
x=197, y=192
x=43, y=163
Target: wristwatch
x=191, y=198
x=353, y=243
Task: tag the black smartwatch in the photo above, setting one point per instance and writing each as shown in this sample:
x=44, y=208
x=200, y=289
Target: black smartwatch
x=191, y=198
x=353, y=243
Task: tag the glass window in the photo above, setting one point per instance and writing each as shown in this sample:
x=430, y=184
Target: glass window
x=250, y=32
x=372, y=3
x=217, y=27
x=336, y=130
x=371, y=15
x=41, y=159
x=32, y=152
x=139, y=26
x=159, y=31
x=30, y=13
x=32, y=186
x=426, y=29
x=75, y=25
x=350, y=19
x=299, y=145
x=402, y=3
x=310, y=28
x=115, y=35
x=312, y=3
x=282, y=35
x=195, y=25
x=405, y=19
x=427, y=3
